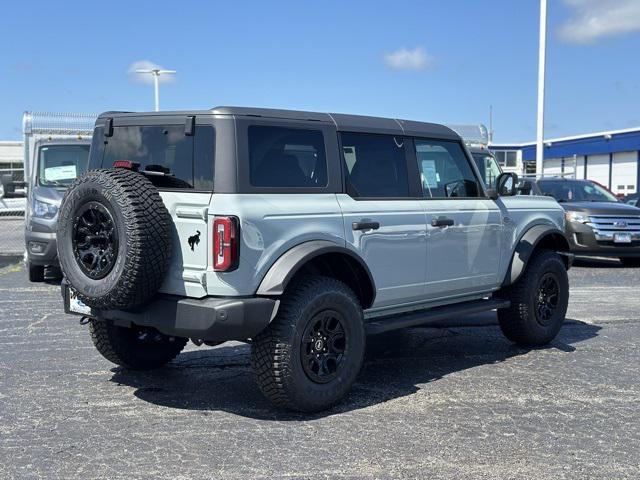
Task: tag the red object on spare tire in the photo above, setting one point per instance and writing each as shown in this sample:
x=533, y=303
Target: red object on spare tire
x=114, y=239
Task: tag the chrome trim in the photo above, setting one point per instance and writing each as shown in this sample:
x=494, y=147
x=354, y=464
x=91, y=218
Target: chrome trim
x=605, y=226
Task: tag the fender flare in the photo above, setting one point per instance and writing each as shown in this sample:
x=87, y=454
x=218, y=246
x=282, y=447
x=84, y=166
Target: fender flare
x=527, y=245
x=287, y=265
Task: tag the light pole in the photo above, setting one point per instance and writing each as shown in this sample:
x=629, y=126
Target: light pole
x=156, y=72
x=542, y=53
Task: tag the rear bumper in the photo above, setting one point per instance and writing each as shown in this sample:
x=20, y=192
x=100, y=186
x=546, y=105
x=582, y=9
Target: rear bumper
x=209, y=318
x=583, y=241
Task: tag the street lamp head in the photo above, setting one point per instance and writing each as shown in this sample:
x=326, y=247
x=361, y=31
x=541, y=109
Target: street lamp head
x=154, y=71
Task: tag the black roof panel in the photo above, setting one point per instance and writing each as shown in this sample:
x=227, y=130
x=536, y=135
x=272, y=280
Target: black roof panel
x=343, y=122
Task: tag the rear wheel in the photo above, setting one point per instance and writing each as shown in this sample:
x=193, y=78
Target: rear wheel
x=36, y=272
x=539, y=301
x=309, y=356
x=137, y=348
x=632, y=262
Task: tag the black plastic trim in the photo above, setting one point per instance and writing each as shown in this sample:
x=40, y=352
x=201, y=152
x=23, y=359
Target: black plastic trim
x=287, y=265
x=421, y=317
x=525, y=247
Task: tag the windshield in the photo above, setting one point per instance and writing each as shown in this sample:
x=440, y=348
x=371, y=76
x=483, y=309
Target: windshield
x=489, y=169
x=576, y=191
x=59, y=165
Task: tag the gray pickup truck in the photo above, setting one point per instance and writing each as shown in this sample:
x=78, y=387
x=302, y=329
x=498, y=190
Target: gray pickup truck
x=301, y=233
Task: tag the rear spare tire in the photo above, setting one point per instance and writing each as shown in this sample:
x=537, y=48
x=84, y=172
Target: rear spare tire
x=114, y=239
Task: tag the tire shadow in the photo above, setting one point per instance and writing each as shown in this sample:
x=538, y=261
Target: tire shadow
x=397, y=364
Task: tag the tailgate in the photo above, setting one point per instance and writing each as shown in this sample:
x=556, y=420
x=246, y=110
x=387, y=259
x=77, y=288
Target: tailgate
x=190, y=255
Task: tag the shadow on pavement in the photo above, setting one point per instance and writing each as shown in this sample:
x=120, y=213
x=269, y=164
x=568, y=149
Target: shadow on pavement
x=397, y=364
x=7, y=260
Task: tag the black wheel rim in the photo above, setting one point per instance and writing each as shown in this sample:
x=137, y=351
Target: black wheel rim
x=324, y=346
x=95, y=240
x=547, y=298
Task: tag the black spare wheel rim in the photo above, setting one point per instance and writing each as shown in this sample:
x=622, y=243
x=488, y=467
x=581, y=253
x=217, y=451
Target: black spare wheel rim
x=95, y=240
x=324, y=346
x=547, y=298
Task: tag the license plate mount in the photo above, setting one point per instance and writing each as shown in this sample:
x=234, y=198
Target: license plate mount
x=621, y=238
x=74, y=305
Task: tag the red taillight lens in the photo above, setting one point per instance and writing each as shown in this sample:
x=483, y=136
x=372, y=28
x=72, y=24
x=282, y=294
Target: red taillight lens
x=128, y=164
x=226, y=242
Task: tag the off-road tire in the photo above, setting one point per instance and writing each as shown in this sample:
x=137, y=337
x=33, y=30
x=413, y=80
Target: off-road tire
x=124, y=347
x=630, y=262
x=36, y=272
x=142, y=246
x=276, y=353
x=520, y=323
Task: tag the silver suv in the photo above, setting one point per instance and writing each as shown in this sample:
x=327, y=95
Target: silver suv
x=300, y=233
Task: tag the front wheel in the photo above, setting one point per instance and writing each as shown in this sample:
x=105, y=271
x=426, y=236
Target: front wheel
x=539, y=301
x=137, y=348
x=632, y=262
x=309, y=356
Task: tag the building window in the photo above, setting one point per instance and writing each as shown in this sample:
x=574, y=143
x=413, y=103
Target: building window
x=507, y=158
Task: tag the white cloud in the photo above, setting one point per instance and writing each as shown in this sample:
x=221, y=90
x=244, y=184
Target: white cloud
x=593, y=19
x=403, y=59
x=145, y=77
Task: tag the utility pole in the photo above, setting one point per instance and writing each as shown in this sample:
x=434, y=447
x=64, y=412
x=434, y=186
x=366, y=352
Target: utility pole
x=542, y=53
x=490, y=124
x=156, y=72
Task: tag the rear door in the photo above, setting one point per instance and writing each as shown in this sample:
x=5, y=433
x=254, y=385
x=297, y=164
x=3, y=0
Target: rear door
x=464, y=228
x=384, y=221
x=177, y=156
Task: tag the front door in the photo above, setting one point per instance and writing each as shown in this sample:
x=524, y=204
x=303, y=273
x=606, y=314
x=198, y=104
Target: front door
x=384, y=222
x=464, y=228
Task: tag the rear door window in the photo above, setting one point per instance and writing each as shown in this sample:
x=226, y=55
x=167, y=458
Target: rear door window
x=375, y=165
x=286, y=157
x=164, y=153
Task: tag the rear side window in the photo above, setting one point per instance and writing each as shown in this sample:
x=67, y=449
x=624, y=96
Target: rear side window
x=203, y=158
x=165, y=153
x=445, y=171
x=375, y=165
x=286, y=157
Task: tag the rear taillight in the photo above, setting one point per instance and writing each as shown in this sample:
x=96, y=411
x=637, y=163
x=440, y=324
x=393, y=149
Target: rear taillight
x=226, y=241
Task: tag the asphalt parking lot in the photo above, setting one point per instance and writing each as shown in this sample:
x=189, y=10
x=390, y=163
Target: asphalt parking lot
x=457, y=401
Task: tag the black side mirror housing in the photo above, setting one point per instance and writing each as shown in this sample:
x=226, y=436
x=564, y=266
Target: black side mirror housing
x=506, y=186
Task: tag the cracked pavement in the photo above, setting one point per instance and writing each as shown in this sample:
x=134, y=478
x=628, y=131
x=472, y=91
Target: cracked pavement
x=455, y=401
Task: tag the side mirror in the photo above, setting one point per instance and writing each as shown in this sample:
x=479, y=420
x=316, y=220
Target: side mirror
x=506, y=186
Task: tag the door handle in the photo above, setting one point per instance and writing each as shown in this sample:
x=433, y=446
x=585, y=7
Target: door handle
x=442, y=222
x=365, y=225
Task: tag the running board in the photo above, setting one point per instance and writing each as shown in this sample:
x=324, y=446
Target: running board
x=421, y=317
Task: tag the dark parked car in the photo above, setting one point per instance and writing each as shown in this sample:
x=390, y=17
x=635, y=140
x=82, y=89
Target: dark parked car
x=633, y=199
x=597, y=223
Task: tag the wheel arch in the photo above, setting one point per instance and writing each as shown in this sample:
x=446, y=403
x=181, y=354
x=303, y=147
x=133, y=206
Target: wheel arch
x=538, y=237
x=324, y=258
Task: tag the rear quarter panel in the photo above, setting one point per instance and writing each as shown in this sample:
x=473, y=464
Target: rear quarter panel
x=268, y=228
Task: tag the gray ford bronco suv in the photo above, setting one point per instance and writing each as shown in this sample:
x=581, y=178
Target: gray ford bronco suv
x=300, y=233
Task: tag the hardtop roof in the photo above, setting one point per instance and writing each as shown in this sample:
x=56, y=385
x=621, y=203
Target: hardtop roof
x=342, y=122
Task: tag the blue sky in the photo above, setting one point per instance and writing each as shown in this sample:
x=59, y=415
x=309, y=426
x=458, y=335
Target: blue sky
x=424, y=60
